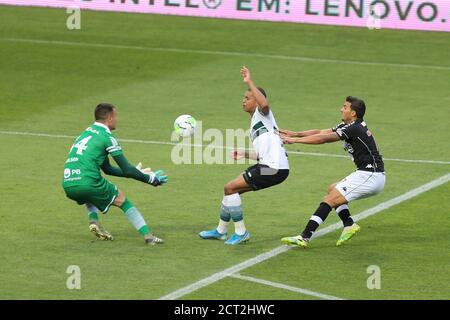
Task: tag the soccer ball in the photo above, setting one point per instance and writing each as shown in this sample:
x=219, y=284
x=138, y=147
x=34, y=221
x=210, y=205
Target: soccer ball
x=185, y=125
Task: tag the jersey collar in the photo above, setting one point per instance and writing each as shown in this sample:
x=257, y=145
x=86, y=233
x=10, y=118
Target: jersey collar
x=98, y=124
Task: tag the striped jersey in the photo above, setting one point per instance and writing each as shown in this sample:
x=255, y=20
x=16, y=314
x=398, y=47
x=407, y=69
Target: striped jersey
x=360, y=145
x=267, y=142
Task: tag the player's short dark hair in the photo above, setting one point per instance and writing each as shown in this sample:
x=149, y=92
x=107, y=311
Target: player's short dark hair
x=357, y=105
x=103, y=110
x=262, y=91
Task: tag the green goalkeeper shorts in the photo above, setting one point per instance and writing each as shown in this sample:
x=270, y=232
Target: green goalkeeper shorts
x=102, y=195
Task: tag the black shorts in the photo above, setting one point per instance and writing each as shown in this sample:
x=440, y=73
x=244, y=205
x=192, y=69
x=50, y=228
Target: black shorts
x=261, y=176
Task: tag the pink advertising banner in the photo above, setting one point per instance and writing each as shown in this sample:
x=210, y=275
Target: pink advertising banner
x=432, y=15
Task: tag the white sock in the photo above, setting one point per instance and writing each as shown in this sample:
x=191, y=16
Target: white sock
x=223, y=226
x=232, y=200
x=239, y=227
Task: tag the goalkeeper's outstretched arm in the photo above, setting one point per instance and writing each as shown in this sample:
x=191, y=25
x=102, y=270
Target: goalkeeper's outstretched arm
x=129, y=171
x=125, y=169
x=108, y=169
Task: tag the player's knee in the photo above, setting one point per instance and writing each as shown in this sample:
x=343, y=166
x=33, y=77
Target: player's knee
x=334, y=199
x=331, y=187
x=120, y=199
x=228, y=189
x=329, y=200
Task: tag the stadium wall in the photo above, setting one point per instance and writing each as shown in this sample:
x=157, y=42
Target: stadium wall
x=431, y=15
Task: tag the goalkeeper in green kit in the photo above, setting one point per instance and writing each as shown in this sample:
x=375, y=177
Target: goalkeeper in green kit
x=84, y=184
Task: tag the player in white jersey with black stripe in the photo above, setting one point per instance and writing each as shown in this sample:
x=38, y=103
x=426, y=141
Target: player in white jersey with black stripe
x=368, y=179
x=272, y=167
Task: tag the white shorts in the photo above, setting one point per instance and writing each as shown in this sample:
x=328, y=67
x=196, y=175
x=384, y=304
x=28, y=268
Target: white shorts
x=361, y=184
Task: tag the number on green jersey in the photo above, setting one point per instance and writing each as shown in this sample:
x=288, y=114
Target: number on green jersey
x=82, y=145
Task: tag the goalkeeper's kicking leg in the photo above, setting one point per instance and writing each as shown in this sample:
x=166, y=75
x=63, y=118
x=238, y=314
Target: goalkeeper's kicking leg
x=132, y=214
x=136, y=219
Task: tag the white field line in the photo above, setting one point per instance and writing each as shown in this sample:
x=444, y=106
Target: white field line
x=315, y=154
x=286, y=287
x=225, y=53
x=278, y=250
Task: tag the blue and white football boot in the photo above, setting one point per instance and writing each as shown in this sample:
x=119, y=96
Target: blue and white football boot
x=237, y=239
x=213, y=234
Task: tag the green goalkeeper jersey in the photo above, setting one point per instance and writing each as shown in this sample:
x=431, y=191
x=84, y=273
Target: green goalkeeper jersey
x=88, y=153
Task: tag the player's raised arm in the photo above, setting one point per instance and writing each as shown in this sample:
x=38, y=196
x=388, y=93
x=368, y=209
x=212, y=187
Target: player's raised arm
x=261, y=100
x=313, y=139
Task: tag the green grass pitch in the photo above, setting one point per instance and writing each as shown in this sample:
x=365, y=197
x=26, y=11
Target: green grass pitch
x=52, y=88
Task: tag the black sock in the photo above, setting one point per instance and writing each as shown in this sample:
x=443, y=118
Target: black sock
x=344, y=213
x=316, y=219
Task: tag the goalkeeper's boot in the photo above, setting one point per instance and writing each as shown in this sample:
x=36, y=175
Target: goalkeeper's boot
x=213, y=234
x=297, y=240
x=347, y=234
x=100, y=232
x=151, y=239
x=237, y=239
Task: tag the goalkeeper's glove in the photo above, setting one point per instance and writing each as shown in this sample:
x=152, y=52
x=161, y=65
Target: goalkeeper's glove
x=145, y=170
x=157, y=178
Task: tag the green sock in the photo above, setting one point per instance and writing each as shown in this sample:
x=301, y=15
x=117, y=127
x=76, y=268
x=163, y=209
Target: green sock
x=93, y=217
x=127, y=204
x=144, y=230
x=135, y=217
x=92, y=213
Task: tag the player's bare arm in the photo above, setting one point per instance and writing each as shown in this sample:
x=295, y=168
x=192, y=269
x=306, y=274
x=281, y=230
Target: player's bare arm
x=239, y=154
x=263, y=105
x=300, y=134
x=313, y=139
